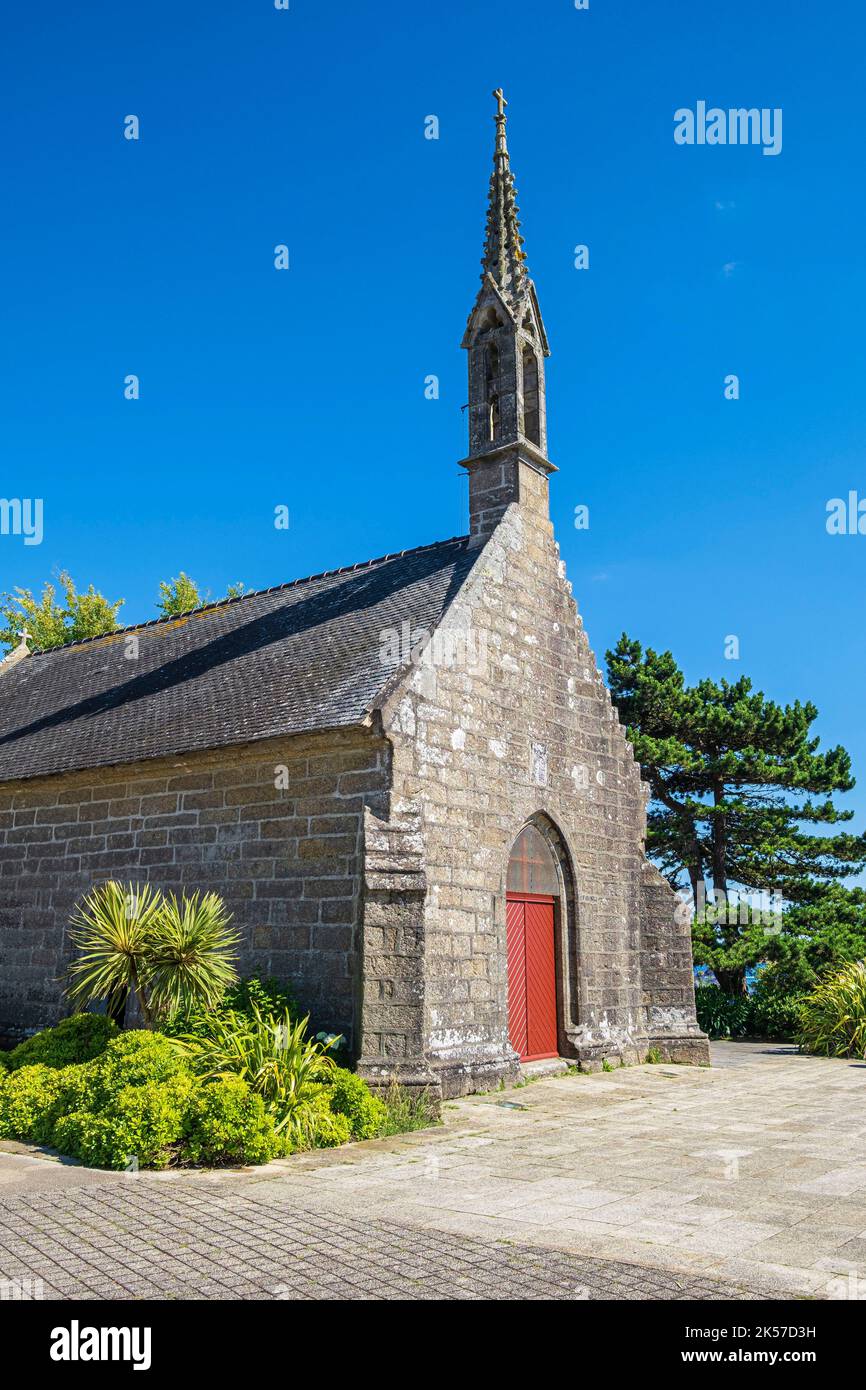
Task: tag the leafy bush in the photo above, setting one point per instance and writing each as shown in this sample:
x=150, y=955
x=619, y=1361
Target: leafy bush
x=833, y=1018
x=317, y=1126
x=142, y=1124
x=251, y=1087
x=763, y=1014
x=132, y=1059
x=269, y=996
x=721, y=1015
x=138, y=1102
x=77, y=1039
x=350, y=1096
x=25, y=1097
x=227, y=1123
x=775, y=1016
x=273, y=1054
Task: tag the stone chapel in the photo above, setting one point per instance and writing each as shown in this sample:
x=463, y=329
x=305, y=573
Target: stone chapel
x=405, y=777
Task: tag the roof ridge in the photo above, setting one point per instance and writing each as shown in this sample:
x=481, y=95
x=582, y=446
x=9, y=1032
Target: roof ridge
x=241, y=598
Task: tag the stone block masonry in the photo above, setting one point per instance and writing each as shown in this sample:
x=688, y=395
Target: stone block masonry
x=275, y=827
x=529, y=733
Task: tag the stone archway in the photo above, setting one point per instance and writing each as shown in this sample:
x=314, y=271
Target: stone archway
x=540, y=943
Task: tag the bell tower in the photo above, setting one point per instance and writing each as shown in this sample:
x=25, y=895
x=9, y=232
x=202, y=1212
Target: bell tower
x=507, y=345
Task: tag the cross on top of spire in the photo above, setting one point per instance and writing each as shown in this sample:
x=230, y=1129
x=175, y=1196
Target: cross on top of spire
x=503, y=256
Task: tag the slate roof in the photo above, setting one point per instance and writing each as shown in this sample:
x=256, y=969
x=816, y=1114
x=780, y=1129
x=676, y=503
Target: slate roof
x=300, y=657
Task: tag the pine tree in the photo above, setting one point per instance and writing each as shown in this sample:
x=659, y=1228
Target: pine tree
x=736, y=781
x=817, y=938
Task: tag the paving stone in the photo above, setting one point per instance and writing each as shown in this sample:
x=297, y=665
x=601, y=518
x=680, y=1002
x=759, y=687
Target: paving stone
x=129, y=1252
x=495, y=1204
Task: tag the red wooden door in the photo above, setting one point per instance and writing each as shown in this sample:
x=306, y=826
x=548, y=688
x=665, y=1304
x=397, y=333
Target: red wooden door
x=531, y=976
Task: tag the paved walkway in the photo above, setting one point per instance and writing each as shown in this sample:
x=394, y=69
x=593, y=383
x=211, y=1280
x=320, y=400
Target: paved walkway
x=744, y=1180
x=191, y=1241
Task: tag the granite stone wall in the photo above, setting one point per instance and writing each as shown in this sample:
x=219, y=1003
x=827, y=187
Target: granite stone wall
x=276, y=827
x=518, y=725
x=367, y=867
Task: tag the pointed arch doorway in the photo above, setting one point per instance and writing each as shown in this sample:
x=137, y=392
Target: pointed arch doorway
x=532, y=892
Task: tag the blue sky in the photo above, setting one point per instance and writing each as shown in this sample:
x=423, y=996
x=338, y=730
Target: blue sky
x=306, y=388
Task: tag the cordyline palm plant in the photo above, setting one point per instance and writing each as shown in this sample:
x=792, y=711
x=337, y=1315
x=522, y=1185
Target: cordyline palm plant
x=112, y=927
x=190, y=956
x=833, y=1016
x=272, y=1053
x=167, y=954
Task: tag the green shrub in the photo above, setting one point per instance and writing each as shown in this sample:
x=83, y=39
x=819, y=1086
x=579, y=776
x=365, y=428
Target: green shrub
x=269, y=996
x=721, y=1015
x=272, y=1054
x=71, y=1093
x=349, y=1095
x=775, y=1016
x=26, y=1096
x=77, y=1039
x=139, y=1103
x=833, y=1016
x=764, y=1014
x=143, y=1125
x=227, y=1123
x=322, y=1127
x=133, y=1059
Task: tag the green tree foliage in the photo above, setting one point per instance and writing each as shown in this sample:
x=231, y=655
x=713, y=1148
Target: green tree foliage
x=182, y=595
x=55, y=618
x=63, y=614
x=816, y=938
x=179, y=595
x=736, y=783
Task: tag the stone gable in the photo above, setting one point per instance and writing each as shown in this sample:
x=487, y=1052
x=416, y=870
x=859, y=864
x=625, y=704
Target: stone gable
x=520, y=726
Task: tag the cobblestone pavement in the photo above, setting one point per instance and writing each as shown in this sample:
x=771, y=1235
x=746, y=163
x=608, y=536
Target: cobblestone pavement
x=747, y=1179
x=137, y=1241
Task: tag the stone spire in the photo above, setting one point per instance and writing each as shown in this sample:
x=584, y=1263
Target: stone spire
x=503, y=258
x=506, y=344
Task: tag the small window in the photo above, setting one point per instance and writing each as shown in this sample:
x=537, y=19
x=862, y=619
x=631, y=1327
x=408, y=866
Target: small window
x=531, y=417
x=532, y=867
x=491, y=390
